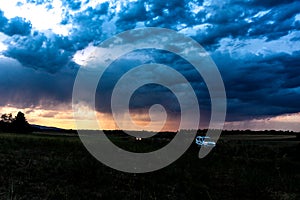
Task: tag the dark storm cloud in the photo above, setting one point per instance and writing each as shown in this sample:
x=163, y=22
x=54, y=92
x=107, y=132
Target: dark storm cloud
x=155, y=14
x=225, y=20
x=282, y=19
x=40, y=52
x=261, y=86
x=88, y=26
x=257, y=85
x=151, y=94
x=27, y=88
x=132, y=13
x=238, y=19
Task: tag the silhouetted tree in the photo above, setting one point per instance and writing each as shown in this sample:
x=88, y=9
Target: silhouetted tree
x=20, y=123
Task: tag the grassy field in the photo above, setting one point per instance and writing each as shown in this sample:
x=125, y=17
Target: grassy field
x=59, y=167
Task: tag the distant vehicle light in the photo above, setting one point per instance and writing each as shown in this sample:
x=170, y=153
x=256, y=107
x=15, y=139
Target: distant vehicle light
x=204, y=141
x=138, y=139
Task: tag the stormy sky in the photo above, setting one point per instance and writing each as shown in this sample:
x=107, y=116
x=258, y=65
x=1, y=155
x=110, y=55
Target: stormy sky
x=255, y=45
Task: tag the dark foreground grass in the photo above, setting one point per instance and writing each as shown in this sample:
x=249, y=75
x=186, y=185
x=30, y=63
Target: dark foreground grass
x=44, y=167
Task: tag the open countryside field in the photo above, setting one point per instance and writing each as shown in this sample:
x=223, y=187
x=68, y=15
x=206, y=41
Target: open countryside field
x=36, y=166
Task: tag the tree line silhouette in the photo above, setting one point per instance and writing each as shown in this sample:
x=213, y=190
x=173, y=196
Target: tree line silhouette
x=17, y=124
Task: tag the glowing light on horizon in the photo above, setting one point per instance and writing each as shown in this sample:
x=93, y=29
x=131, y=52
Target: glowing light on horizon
x=64, y=118
x=287, y=122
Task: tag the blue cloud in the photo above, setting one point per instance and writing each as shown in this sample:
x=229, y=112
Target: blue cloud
x=17, y=26
x=28, y=88
x=39, y=2
x=39, y=52
x=257, y=85
x=260, y=86
x=3, y=20
x=72, y=4
x=54, y=52
x=270, y=3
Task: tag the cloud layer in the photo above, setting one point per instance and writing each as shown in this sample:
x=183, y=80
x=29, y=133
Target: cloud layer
x=255, y=44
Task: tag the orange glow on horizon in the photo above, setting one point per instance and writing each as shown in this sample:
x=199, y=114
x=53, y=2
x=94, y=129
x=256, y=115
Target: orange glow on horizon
x=64, y=119
x=52, y=118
